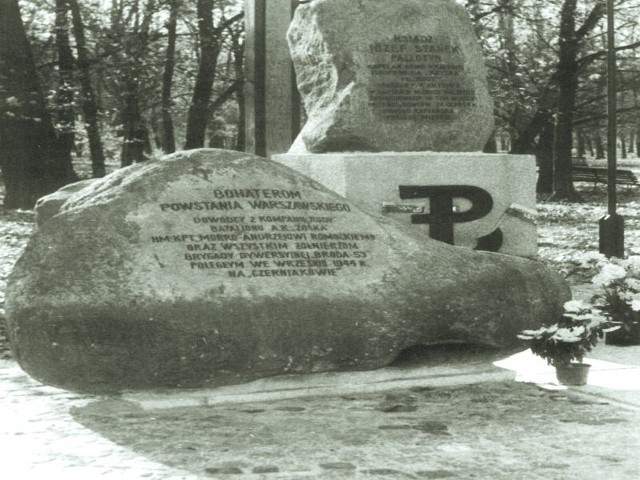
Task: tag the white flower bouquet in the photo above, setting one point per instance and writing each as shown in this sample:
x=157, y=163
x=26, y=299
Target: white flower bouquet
x=576, y=333
x=619, y=297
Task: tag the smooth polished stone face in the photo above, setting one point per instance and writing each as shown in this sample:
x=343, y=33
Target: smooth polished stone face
x=383, y=182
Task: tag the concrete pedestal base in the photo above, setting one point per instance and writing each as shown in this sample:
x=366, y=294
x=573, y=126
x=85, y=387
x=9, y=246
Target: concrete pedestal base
x=398, y=185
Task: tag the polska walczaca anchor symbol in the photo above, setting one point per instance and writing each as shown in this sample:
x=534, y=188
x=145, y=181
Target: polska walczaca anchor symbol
x=442, y=215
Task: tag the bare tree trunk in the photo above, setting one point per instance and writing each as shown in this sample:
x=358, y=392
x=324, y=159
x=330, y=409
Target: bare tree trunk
x=65, y=112
x=525, y=142
x=133, y=127
x=136, y=136
x=168, y=137
x=623, y=146
x=33, y=163
x=237, y=51
x=567, y=77
x=599, y=147
x=88, y=97
x=491, y=146
x=589, y=145
x=581, y=149
x=544, y=157
x=200, y=110
x=155, y=129
x=631, y=129
x=567, y=65
x=567, y=90
x=509, y=62
x=198, y=115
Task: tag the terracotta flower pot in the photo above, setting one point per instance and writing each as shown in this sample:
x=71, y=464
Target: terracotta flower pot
x=573, y=373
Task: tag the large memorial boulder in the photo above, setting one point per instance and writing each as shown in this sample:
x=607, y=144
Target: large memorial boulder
x=402, y=75
x=211, y=267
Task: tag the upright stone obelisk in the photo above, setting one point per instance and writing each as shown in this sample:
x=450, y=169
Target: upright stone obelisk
x=272, y=103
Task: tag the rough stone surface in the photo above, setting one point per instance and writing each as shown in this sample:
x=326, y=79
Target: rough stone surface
x=406, y=75
x=49, y=205
x=166, y=274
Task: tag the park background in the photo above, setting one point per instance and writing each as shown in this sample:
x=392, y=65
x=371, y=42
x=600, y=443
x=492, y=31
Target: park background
x=93, y=85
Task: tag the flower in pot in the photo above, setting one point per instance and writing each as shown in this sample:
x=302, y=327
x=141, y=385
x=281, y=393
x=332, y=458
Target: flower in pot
x=564, y=344
x=619, y=299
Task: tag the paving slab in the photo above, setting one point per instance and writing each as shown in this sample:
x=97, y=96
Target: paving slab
x=611, y=381
x=40, y=439
x=324, y=384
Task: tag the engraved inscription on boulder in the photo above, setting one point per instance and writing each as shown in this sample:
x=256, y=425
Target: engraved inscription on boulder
x=210, y=267
x=406, y=75
x=420, y=78
x=259, y=243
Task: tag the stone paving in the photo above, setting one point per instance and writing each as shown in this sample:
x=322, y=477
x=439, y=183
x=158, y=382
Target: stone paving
x=40, y=439
x=485, y=427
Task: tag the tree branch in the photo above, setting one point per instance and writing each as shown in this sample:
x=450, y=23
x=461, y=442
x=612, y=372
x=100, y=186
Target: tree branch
x=602, y=116
x=226, y=23
x=224, y=96
x=587, y=59
x=591, y=21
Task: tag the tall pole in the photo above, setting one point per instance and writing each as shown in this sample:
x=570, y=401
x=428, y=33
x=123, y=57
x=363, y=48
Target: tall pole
x=272, y=103
x=612, y=225
x=612, y=137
